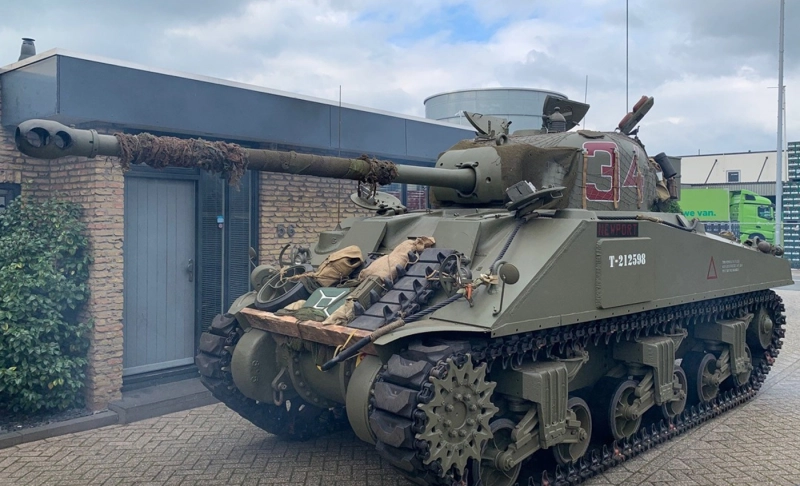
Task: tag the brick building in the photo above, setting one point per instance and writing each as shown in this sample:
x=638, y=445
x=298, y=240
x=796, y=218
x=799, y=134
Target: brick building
x=170, y=247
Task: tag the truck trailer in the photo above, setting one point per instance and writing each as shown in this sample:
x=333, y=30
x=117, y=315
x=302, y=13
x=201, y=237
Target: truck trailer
x=744, y=213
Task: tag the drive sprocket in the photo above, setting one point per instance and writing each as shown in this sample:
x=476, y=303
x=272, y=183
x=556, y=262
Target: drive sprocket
x=458, y=415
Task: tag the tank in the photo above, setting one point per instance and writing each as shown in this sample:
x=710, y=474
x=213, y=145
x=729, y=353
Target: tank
x=544, y=321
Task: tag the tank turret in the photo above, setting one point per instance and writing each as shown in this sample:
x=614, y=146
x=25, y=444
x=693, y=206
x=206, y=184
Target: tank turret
x=554, y=329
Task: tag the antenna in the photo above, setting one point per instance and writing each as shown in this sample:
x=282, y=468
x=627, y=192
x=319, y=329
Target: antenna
x=339, y=154
x=627, y=104
x=585, y=96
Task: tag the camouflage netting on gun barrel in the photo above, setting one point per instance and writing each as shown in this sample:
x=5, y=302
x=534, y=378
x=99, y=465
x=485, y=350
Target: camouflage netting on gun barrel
x=557, y=159
x=228, y=159
x=381, y=172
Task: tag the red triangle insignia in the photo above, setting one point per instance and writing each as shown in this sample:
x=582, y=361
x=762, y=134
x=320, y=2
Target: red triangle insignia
x=712, y=270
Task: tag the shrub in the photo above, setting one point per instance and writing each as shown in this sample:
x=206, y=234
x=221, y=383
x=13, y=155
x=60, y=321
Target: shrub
x=669, y=206
x=44, y=267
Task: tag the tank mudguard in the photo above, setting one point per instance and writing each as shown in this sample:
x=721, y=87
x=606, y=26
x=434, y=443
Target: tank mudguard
x=426, y=327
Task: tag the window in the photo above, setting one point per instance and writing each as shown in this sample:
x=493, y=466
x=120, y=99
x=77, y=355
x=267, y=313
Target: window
x=7, y=193
x=733, y=175
x=416, y=196
x=765, y=212
x=412, y=196
x=394, y=189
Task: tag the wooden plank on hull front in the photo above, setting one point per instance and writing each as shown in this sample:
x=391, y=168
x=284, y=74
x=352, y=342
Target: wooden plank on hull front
x=307, y=330
x=267, y=321
x=333, y=335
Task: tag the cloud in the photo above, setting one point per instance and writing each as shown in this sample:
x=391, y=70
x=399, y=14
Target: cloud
x=708, y=64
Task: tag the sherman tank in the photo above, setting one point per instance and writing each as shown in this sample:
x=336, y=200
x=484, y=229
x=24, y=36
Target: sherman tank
x=542, y=322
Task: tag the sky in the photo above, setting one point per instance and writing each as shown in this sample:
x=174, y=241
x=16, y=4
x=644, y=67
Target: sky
x=711, y=65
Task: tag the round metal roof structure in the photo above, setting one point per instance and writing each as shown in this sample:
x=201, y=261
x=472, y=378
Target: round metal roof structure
x=521, y=106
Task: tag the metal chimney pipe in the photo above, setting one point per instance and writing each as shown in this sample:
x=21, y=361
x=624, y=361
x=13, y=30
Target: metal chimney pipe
x=28, y=49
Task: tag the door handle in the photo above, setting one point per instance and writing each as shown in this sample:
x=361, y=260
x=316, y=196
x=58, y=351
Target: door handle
x=190, y=269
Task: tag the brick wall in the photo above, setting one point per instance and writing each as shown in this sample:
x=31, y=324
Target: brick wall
x=32, y=175
x=97, y=184
x=10, y=165
x=310, y=204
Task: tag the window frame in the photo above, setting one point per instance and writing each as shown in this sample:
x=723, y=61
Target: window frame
x=9, y=191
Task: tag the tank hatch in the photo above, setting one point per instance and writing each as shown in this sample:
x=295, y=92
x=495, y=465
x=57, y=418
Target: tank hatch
x=572, y=111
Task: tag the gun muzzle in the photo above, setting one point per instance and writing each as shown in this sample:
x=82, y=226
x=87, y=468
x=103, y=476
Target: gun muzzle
x=47, y=139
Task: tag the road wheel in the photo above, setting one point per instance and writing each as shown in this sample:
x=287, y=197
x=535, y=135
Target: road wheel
x=680, y=385
x=567, y=453
x=759, y=332
x=700, y=371
x=615, y=408
x=492, y=472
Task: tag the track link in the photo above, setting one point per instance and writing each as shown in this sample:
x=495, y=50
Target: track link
x=407, y=375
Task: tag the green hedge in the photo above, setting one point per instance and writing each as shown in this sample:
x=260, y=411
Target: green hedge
x=43, y=283
x=669, y=206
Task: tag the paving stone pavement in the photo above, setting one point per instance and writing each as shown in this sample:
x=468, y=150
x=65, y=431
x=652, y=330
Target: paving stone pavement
x=758, y=443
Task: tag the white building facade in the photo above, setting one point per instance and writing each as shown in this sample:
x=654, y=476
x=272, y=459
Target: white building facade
x=733, y=168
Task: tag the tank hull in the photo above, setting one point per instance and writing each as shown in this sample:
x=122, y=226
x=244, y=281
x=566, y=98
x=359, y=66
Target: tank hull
x=607, y=301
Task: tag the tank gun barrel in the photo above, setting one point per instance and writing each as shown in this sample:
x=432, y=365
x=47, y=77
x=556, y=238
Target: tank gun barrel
x=47, y=139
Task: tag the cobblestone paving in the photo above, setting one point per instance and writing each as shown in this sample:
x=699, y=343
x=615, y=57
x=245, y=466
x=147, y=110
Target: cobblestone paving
x=758, y=443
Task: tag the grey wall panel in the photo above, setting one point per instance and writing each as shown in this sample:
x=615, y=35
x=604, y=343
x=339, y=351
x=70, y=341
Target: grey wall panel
x=30, y=92
x=98, y=92
x=397, y=138
x=92, y=91
x=428, y=141
x=83, y=91
x=371, y=133
x=212, y=191
x=239, y=239
x=158, y=326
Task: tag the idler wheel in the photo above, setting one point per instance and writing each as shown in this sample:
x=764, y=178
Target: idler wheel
x=759, y=332
x=680, y=386
x=571, y=452
x=701, y=377
x=495, y=469
x=615, y=408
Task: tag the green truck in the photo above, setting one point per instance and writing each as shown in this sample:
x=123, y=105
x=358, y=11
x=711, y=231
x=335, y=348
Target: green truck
x=744, y=213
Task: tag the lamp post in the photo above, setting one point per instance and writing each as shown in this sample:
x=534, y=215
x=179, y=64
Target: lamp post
x=779, y=161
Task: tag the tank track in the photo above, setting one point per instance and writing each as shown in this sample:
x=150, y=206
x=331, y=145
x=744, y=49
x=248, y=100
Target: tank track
x=409, y=376
x=301, y=422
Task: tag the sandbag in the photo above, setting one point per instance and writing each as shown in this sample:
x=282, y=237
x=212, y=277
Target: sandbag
x=341, y=316
x=290, y=309
x=386, y=266
x=310, y=314
x=662, y=191
x=337, y=267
